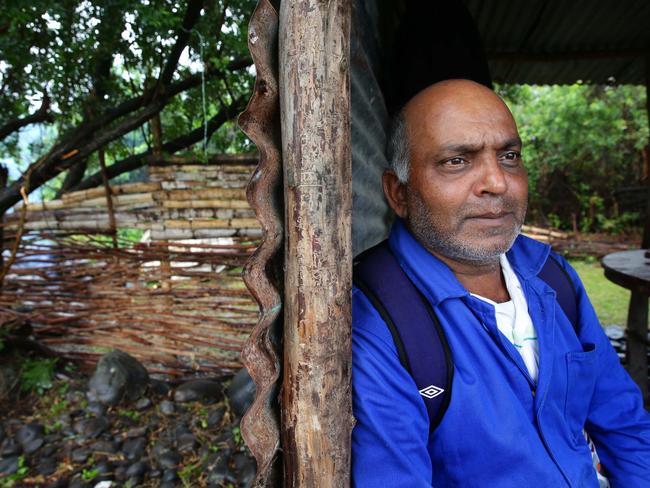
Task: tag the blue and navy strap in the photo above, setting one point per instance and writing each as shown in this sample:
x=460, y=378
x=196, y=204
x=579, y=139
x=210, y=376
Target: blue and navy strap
x=420, y=341
x=558, y=278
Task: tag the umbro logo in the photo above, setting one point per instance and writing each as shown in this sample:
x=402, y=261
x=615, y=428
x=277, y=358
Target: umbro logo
x=431, y=391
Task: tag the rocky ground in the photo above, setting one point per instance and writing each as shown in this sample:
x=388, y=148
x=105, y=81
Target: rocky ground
x=121, y=428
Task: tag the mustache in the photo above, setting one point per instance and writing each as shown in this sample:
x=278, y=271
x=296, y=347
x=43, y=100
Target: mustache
x=497, y=205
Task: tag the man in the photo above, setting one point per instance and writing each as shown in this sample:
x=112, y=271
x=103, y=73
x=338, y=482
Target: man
x=526, y=384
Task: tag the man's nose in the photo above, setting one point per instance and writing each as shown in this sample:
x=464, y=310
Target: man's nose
x=492, y=178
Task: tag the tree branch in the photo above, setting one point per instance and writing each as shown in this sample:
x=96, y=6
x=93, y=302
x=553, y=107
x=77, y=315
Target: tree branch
x=192, y=15
x=41, y=115
x=91, y=135
x=139, y=160
x=67, y=153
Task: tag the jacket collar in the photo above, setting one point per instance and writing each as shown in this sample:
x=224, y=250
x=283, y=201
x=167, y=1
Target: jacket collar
x=437, y=281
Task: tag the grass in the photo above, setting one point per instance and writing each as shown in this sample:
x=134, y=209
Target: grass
x=609, y=300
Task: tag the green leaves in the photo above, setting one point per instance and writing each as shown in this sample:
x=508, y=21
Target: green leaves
x=90, y=56
x=37, y=375
x=581, y=143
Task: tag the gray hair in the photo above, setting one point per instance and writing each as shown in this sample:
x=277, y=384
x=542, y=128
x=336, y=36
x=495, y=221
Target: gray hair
x=397, y=149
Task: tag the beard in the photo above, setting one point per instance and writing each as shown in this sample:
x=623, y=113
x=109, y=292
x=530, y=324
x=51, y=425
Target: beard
x=445, y=236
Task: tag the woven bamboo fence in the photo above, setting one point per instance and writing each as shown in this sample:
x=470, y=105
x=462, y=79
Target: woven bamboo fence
x=173, y=297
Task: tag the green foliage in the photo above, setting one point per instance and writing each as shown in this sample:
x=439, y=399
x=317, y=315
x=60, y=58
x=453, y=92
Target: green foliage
x=190, y=472
x=37, y=375
x=236, y=435
x=53, y=427
x=90, y=56
x=130, y=414
x=89, y=474
x=58, y=406
x=581, y=143
x=12, y=479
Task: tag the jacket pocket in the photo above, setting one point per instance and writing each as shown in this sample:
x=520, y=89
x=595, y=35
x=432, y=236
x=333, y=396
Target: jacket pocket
x=581, y=380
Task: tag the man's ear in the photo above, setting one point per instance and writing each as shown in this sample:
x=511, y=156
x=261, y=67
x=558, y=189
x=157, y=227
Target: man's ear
x=395, y=192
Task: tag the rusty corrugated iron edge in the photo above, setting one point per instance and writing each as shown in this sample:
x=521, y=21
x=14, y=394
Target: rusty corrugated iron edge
x=260, y=427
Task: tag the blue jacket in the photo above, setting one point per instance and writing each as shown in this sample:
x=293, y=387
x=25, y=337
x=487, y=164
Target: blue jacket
x=500, y=430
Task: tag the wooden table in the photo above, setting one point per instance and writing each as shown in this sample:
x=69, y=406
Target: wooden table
x=631, y=270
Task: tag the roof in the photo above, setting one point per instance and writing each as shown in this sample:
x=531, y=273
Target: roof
x=559, y=41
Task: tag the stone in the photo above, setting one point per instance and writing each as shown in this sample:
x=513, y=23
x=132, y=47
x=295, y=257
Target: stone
x=207, y=391
x=103, y=446
x=8, y=378
x=167, y=484
x=159, y=387
x=186, y=442
x=80, y=455
x=103, y=467
x=159, y=448
x=217, y=470
x=169, y=476
x=136, y=432
x=96, y=408
x=143, y=404
x=60, y=483
x=181, y=429
x=9, y=465
x=33, y=446
x=120, y=473
x=29, y=433
x=245, y=468
x=215, y=417
x=118, y=376
x=10, y=447
x=74, y=396
x=105, y=484
x=167, y=407
x=50, y=449
x=169, y=460
x=241, y=392
x=92, y=427
x=46, y=466
x=137, y=470
x=134, y=448
x=78, y=483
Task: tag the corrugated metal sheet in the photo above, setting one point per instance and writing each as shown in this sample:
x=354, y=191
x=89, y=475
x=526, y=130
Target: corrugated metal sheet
x=559, y=41
x=369, y=123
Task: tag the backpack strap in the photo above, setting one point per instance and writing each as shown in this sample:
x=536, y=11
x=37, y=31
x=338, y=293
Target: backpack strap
x=554, y=274
x=419, y=338
x=420, y=341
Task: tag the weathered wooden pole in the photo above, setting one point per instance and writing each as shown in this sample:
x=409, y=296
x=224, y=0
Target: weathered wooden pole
x=315, y=120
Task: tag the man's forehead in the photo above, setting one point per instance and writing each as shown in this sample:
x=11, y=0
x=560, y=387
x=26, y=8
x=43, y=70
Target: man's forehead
x=459, y=111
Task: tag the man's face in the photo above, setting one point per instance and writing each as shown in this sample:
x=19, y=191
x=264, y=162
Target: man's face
x=467, y=190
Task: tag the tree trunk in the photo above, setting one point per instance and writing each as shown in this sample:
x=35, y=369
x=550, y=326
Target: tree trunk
x=315, y=119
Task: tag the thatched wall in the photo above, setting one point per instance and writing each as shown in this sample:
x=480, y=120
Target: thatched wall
x=173, y=297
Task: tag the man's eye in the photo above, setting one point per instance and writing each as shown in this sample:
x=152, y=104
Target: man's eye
x=512, y=155
x=454, y=162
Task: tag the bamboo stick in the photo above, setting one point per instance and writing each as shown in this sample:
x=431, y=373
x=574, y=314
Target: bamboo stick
x=117, y=190
x=225, y=203
x=238, y=223
x=203, y=194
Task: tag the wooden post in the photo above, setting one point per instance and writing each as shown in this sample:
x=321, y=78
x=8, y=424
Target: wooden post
x=645, y=243
x=4, y=175
x=315, y=119
x=637, y=341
